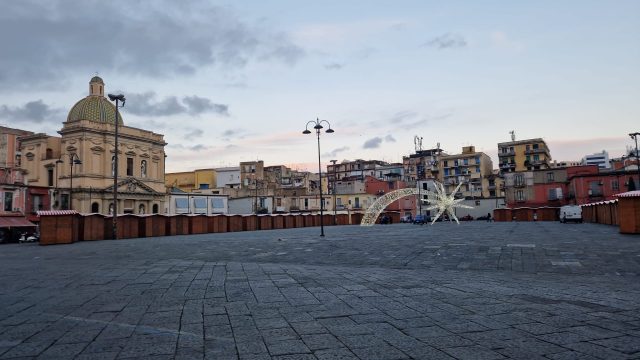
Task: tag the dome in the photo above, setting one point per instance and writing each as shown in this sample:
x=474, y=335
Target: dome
x=96, y=79
x=94, y=108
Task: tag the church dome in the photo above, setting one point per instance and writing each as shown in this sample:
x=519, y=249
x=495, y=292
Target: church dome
x=95, y=107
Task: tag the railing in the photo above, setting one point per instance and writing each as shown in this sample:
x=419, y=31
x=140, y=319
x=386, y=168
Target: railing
x=508, y=153
x=535, y=151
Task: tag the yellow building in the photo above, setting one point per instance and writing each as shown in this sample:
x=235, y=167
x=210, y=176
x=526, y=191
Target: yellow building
x=468, y=168
x=187, y=181
x=78, y=166
x=524, y=155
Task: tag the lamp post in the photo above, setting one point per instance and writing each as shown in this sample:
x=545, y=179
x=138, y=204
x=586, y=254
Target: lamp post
x=335, y=222
x=116, y=98
x=634, y=136
x=73, y=160
x=55, y=191
x=317, y=125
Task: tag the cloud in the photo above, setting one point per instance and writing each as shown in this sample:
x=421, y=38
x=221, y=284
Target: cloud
x=389, y=138
x=145, y=104
x=333, y=66
x=193, y=133
x=198, y=105
x=447, y=41
x=163, y=39
x=34, y=111
x=373, y=143
x=233, y=134
x=198, y=147
x=334, y=153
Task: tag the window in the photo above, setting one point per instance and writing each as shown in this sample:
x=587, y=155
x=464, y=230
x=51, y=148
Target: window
x=200, y=205
x=520, y=195
x=8, y=201
x=528, y=147
x=535, y=146
x=129, y=166
x=49, y=154
x=203, y=186
x=217, y=203
x=518, y=180
x=95, y=208
x=477, y=169
x=143, y=168
x=113, y=166
x=615, y=185
x=550, y=177
x=465, y=161
x=50, y=177
x=182, y=205
x=536, y=157
x=155, y=208
x=37, y=203
x=64, y=201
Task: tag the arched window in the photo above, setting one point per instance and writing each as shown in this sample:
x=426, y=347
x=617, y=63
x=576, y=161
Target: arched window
x=141, y=209
x=95, y=208
x=49, y=154
x=155, y=208
x=143, y=168
x=113, y=166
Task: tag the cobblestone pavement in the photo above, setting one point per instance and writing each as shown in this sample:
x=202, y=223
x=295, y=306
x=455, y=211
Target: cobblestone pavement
x=475, y=291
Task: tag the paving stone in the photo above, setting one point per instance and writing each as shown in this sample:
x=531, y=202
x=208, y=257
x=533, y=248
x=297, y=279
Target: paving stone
x=321, y=341
x=335, y=354
x=287, y=347
x=392, y=287
x=473, y=352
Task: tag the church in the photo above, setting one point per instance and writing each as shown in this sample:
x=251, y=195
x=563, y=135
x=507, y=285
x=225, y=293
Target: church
x=78, y=167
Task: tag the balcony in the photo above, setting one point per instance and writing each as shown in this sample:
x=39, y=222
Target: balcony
x=536, y=151
x=507, y=153
x=508, y=166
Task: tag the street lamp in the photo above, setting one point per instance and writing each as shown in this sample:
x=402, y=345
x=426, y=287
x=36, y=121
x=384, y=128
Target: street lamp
x=73, y=160
x=116, y=98
x=335, y=222
x=317, y=125
x=634, y=136
x=55, y=191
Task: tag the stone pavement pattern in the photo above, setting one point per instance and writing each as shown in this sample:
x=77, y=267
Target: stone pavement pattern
x=475, y=291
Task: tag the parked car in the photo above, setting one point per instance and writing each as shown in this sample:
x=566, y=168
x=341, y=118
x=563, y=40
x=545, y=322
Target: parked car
x=483, y=217
x=406, y=219
x=466, y=218
x=571, y=213
x=419, y=219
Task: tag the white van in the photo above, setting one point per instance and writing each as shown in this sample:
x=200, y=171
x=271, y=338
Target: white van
x=571, y=213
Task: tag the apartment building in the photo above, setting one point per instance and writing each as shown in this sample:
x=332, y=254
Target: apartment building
x=523, y=155
x=354, y=169
x=600, y=159
x=468, y=168
x=424, y=164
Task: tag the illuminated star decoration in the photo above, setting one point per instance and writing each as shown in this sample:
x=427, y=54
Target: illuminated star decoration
x=445, y=203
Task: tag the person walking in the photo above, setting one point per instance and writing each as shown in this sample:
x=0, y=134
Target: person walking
x=489, y=217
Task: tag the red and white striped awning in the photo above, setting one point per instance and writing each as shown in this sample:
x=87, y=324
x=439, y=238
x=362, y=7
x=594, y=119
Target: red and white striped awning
x=601, y=202
x=629, y=194
x=56, y=212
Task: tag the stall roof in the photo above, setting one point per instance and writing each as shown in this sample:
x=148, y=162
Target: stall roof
x=15, y=221
x=634, y=193
x=56, y=212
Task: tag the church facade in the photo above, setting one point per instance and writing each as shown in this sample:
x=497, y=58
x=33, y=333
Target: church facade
x=78, y=166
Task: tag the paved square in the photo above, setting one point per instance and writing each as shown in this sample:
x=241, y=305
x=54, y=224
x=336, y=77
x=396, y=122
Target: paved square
x=475, y=291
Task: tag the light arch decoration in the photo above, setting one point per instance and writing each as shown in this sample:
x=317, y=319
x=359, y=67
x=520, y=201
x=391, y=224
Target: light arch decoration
x=382, y=202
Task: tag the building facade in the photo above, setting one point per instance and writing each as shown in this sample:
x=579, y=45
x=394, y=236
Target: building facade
x=79, y=166
x=468, y=168
x=523, y=155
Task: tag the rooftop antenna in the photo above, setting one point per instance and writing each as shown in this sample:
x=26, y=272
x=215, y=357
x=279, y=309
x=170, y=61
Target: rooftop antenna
x=513, y=135
x=417, y=141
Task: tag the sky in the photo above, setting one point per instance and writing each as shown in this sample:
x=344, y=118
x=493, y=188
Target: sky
x=235, y=81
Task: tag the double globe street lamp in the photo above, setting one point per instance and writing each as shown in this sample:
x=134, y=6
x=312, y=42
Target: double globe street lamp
x=118, y=99
x=317, y=125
